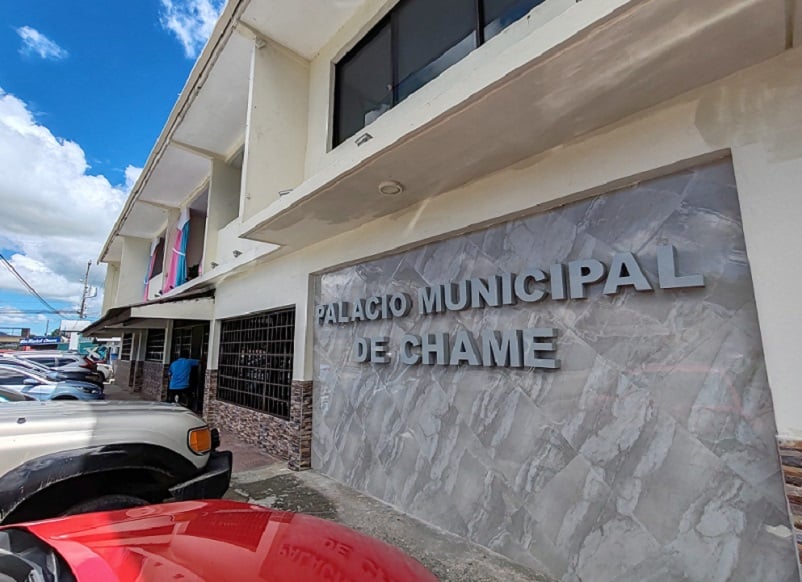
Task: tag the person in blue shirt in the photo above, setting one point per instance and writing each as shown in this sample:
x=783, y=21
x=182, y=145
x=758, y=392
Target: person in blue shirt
x=180, y=373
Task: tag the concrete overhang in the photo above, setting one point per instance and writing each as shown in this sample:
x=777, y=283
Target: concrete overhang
x=201, y=309
x=208, y=120
x=114, y=252
x=595, y=64
x=178, y=174
x=303, y=26
x=195, y=304
x=144, y=221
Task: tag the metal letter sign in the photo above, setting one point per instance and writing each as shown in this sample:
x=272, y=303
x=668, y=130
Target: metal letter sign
x=522, y=348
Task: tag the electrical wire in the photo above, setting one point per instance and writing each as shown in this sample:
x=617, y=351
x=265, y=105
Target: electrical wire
x=27, y=285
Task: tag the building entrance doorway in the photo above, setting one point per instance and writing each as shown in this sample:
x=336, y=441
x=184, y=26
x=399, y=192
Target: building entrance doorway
x=193, y=336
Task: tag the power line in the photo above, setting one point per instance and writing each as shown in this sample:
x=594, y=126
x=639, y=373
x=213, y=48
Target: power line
x=30, y=289
x=14, y=311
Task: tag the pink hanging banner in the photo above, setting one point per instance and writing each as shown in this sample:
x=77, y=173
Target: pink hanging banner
x=176, y=251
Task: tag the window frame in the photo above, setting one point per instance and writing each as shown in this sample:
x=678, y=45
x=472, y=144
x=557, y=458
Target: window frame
x=154, y=343
x=250, y=364
x=126, y=347
x=392, y=18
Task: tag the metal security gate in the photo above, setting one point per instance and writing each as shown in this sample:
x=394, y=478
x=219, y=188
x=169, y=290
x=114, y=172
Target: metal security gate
x=255, y=367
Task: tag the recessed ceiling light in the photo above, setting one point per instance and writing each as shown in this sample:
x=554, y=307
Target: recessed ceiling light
x=391, y=188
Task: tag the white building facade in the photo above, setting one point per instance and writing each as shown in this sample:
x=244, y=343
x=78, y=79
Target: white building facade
x=524, y=270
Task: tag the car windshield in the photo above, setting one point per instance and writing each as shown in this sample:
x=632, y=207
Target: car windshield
x=24, y=557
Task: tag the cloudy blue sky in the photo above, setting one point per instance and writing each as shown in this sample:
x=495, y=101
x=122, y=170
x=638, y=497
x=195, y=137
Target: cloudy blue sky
x=85, y=88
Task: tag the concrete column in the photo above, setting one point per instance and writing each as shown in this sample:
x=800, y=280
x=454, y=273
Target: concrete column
x=769, y=189
x=111, y=285
x=276, y=130
x=133, y=270
x=214, y=344
x=223, y=207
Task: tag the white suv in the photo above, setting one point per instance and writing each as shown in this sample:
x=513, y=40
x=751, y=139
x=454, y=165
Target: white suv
x=62, y=458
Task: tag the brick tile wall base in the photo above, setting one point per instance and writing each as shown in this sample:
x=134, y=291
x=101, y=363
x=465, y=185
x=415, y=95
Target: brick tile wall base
x=290, y=440
x=137, y=371
x=791, y=465
x=122, y=373
x=154, y=380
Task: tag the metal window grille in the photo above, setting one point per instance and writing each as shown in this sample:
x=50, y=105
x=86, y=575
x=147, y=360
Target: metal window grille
x=255, y=367
x=154, y=345
x=182, y=340
x=127, y=344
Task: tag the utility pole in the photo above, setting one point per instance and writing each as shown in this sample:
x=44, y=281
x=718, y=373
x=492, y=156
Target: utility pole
x=82, y=312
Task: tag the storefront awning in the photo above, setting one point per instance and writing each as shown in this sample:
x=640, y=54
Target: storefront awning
x=193, y=305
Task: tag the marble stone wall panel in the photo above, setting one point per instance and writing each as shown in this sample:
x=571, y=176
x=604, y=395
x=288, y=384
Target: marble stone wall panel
x=650, y=455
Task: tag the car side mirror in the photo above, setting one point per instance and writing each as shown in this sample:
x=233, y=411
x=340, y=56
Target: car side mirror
x=30, y=382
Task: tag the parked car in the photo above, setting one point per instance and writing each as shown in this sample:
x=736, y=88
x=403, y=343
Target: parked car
x=105, y=369
x=100, y=357
x=65, y=373
x=57, y=358
x=9, y=395
x=39, y=387
x=59, y=458
x=200, y=540
x=77, y=372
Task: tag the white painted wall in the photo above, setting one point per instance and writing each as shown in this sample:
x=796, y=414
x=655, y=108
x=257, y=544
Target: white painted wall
x=133, y=270
x=110, y=286
x=222, y=208
x=275, y=142
x=155, y=287
x=756, y=115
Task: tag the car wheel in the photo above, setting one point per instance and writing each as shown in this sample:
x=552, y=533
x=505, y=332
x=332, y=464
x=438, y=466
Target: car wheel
x=106, y=503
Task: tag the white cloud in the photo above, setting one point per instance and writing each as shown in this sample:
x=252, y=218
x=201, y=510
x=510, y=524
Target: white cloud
x=35, y=42
x=191, y=21
x=10, y=317
x=55, y=216
x=131, y=176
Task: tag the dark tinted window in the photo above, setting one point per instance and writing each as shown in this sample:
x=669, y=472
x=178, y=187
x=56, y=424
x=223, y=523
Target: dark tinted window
x=431, y=36
x=158, y=262
x=49, y=361
x=416, y=41
x=364, y=83
x=11, y=378
x=499, y=14
x=12, y=396
x=154, y=345
x=127, y=345
x=68, y=360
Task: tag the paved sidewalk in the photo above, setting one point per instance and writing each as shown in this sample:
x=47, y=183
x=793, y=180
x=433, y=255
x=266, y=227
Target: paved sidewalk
x=450, y=558
x=261, y=479
x=246, y=457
